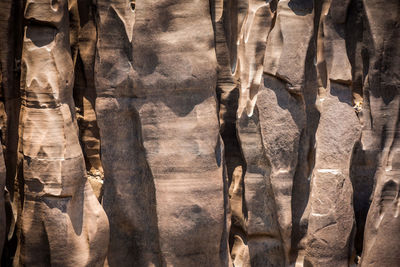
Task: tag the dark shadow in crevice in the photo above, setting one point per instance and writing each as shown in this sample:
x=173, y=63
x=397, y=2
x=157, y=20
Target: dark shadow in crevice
x=41, y=35
x=301, y=7
x=362, y=173
x=306, y=157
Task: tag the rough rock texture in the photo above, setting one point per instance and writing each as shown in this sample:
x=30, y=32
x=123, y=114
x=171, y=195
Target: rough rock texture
x=165, y=191
x=381, y=132
x=331, y=218
x=61, y=221
x=199, y=133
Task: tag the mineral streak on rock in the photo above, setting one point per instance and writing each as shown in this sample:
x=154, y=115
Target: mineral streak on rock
x=199, y=133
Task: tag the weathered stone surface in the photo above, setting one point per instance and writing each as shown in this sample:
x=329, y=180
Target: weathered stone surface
x=199, y=133
x=164, y=194
x=381, y=132
x=11, y=33
x=329, y=239
x=61, y=223
x=85, y=95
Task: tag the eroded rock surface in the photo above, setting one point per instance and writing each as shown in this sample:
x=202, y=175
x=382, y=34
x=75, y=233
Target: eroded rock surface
x=62, y=223
x=199, y=133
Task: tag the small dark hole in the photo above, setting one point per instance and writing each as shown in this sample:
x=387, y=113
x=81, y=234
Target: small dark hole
x=133, y=6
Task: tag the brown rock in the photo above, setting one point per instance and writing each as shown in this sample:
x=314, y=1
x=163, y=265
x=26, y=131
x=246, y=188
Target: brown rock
x=164, y=194
x=62, y=223
x=380, y=134
x=329, y=239
x=213, y=133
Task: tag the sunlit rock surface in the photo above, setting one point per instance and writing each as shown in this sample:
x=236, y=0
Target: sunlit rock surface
x=199, y=133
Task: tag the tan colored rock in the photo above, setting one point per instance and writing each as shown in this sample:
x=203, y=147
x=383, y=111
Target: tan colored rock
x=227, y=94
x=62, y=223
x=281, y=115
x=329, y=239
x=213, y=133
x=264, y=241
x=288, y=43
x=380, y=134
x=164, y=194
x=331, y=218
x=85, y=95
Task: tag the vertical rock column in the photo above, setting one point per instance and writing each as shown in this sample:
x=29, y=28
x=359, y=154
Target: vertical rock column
x=160, y=143
x=62, y=223
x=280, y=107
x=381, y=132
x=264, y=241
x=363, y=164
x=85, y=95
x=5, y=84
x=129, y=193
x=331, y=219
x=225, y=15
x=11, y=20
x=227, y=93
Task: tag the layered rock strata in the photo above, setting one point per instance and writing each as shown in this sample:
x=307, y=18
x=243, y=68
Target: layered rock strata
x=62, y=223
x=199, y=133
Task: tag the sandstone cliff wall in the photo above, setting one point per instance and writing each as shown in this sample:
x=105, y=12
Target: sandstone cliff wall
x=200, y=133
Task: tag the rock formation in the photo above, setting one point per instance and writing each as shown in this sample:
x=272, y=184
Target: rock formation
x=199, y=133
x=61, y=221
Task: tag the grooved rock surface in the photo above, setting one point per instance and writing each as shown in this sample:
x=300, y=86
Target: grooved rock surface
x=183, y=133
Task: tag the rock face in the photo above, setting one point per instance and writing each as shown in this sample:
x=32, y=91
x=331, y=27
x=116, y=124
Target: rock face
x=331, y=217
x=165, y=191
x=61, y=221
x=381, y=133
x=199, y=133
